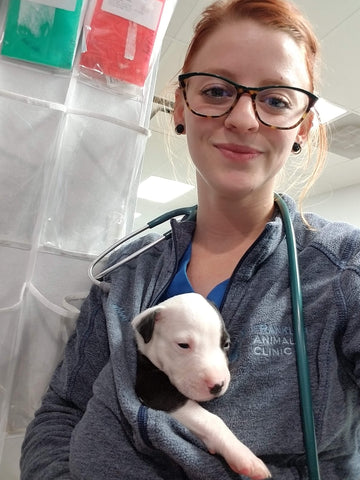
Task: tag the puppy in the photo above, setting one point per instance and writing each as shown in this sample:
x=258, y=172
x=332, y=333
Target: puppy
x=182, y=360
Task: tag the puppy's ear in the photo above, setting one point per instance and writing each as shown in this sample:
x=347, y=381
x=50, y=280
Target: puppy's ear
x=213, y=304
x=146, y=326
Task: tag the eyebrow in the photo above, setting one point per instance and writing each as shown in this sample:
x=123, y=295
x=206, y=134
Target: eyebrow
x=267, y=81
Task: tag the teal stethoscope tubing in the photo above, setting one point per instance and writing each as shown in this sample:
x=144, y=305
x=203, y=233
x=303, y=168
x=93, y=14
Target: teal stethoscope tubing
x=297, y=312
x=307, y=415
x=188, y=213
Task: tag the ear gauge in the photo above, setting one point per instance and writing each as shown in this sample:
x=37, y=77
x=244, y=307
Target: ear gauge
x=296, y=148
x=180, y=129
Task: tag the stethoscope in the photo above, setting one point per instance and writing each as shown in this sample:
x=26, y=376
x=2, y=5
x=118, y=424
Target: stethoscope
x=189, y=213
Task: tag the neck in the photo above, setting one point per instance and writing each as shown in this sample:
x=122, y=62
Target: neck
x=224, y=233
x=229, y=222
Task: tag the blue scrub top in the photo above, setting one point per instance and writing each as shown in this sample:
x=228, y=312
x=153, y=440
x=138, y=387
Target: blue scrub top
x=181, y=284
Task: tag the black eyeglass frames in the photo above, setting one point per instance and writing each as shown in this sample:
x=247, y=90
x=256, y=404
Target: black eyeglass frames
x=211, y=96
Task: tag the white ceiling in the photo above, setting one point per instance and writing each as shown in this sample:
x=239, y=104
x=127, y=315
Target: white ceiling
x=337, y=25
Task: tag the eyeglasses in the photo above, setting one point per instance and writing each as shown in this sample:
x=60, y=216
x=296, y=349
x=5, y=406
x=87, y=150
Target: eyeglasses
x=212, y=96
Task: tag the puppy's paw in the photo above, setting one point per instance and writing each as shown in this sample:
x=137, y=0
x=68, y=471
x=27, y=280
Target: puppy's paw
x=241, y=460
x=256, y=471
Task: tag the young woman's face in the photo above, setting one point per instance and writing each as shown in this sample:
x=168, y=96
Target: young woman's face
x=236, y=154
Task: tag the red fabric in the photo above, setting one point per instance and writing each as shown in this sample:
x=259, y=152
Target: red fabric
x=106, y=43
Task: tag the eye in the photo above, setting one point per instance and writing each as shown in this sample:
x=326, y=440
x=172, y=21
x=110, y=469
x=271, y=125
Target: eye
x=217, y=92
x=275, y=100
x=226, y=345
x=184, y=345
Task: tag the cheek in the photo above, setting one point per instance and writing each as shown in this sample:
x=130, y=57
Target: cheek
x=197, y=141
x=199, y=132
x=278, y=150
x=281, y=142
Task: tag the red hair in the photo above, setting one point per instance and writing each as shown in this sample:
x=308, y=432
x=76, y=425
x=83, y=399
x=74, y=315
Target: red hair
x=277, y=14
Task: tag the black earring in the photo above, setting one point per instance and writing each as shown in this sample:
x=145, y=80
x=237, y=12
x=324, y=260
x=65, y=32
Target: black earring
x=180, y=129
x=296, y=148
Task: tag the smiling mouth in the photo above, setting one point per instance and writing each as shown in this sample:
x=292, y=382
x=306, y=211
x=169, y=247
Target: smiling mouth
x=239, y=152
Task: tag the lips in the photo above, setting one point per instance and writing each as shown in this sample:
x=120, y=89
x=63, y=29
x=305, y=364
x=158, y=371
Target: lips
x=237, y=152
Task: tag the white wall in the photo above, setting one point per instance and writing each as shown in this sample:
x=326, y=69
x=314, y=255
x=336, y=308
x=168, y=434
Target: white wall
x=339, y=205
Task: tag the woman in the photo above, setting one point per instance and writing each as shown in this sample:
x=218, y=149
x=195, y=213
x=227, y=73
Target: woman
x=240, y=132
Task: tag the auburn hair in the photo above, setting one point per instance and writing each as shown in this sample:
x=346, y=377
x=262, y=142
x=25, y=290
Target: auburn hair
x=278, y=14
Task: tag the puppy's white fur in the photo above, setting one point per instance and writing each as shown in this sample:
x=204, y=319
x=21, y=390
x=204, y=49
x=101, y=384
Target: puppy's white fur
x=188, y=343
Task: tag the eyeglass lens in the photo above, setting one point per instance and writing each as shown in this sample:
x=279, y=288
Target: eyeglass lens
x=279, y=107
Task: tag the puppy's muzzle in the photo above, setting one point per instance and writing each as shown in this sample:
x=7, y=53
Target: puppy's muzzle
x=216, y=389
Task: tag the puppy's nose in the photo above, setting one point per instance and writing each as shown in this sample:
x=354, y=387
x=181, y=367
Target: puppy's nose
x=216, y=389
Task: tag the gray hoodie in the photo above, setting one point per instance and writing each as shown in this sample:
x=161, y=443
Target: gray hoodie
x=92, y=424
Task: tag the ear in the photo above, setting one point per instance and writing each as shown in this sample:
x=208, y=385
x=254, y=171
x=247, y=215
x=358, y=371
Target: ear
x=304, y=128
x=179, y=107
x=213, y=304
x=146, y=326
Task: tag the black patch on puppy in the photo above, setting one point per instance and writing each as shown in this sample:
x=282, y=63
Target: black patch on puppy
x=225, y=337
x=225, y=340
x=146, y=326
x=154, y=388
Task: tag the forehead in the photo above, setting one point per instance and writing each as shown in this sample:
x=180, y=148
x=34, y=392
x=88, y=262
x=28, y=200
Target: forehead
x=200, y=321
x=253, y=54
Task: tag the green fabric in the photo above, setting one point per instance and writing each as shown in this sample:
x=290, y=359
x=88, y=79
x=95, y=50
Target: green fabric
x=41, y=34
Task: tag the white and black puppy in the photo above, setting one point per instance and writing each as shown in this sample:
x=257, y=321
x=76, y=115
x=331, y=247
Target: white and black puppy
x=182, y=359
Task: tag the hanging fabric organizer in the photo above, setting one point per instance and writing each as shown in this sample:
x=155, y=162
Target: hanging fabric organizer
x=71, y=150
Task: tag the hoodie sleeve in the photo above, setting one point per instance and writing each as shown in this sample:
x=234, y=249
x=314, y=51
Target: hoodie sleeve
x=46, y=447
x=119, y=438
x=350, y=283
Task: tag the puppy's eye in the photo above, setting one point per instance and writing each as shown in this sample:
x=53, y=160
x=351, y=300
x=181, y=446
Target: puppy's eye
x=184, y=345
x=226, y=346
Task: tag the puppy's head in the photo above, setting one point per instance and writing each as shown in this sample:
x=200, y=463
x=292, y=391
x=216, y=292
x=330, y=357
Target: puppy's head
x=185, y=337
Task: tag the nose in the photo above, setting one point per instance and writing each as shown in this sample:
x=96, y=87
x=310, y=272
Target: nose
x=216, y=389
x=243, y=115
